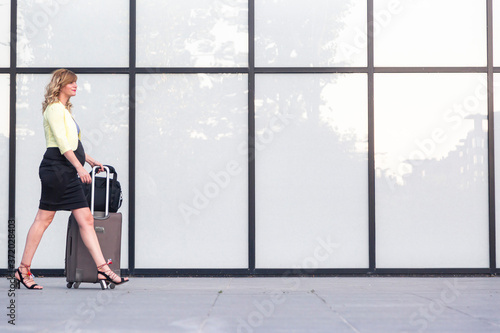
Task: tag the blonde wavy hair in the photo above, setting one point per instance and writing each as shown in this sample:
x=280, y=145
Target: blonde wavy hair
x=60, y=78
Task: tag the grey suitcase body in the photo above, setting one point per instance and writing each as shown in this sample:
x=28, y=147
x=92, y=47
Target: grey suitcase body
x=79, y=266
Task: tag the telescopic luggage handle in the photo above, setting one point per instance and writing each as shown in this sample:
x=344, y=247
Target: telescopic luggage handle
x=92, y=193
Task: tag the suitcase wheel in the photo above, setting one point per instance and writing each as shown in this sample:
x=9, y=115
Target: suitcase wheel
x=69, y=285
x=112, y=286
x=77, y=284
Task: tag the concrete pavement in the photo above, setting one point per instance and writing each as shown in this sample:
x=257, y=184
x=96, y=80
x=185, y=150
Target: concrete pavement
x=333, y=304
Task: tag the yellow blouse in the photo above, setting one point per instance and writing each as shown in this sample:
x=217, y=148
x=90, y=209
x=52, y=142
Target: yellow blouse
x=60, y=128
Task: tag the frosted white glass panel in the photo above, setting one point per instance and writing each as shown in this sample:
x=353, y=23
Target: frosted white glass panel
x=311, y=171
x=73, y=33
x=4, y=166
x=431, y=160
x=299, y=33
x=192, y=187
x=101, y=110
x=496, y=34
x=192, y=33
x=4, y=33
x=430, y=33
x=497, y=160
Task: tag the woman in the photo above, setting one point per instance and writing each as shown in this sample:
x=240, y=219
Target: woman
x=61, y=173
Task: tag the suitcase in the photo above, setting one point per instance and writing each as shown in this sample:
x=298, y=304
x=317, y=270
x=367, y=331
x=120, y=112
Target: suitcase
x=79, y=265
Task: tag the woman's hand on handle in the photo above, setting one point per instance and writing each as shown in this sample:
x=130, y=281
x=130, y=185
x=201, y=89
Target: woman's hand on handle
x=94, y=163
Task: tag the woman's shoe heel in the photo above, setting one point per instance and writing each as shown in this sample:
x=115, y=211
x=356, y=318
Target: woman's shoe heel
x=17, y=284
x=104, y=284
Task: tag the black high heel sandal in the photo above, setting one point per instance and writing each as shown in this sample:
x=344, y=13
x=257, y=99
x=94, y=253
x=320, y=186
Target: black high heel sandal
x=105, y=283
x=21, y=278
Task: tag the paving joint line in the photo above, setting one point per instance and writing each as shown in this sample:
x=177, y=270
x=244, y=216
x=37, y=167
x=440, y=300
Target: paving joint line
x=459, y=311
x=345, y=321
x=207, y=317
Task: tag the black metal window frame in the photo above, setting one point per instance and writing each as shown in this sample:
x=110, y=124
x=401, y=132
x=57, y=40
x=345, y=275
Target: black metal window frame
x=251, y=71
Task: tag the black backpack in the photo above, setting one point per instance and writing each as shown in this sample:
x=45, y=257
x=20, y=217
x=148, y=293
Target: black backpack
x=115, y=192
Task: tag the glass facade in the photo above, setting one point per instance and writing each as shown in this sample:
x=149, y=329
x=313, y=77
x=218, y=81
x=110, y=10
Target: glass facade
x=496, y=34
x=452, y=34
x=431, y=158
x=65, y=33
x=311, y=170
x=4, y=33
x=294, y=34
x=192, y=174
x=262, y=136
x=194, y=33
x=497, y=161
x=4, y=165
x=101, y=111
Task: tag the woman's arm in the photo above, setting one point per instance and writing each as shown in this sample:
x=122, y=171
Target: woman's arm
x=84, y=175
x=94, y=163
x=55, y=114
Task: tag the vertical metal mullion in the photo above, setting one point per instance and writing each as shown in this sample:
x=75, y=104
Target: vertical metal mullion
x=251, y=135
x=12, y=130
x=371, y=138
x=132, y=134
x=491, y=137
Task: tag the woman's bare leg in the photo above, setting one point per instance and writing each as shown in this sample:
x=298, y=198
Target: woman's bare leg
x=85, y=222
x=42, y=221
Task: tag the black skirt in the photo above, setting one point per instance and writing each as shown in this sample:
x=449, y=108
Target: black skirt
x=61, y=187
